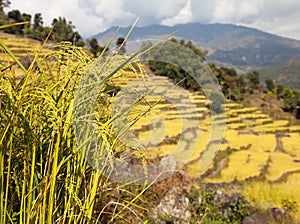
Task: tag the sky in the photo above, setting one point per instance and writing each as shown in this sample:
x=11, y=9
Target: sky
x=90, y=17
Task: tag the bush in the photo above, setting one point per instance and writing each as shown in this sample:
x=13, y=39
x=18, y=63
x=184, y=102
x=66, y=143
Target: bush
x=205, y=208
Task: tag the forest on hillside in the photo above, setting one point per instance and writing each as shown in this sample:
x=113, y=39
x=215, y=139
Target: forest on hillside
x=236, y=87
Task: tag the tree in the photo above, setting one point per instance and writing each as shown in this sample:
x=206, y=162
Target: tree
x=241, y=83
x=4, y=4
x=279, y=91
x=121, y=45
x=290, y=100
x=233, y=86
x=120, y=41
x=217, y=102
x=37, y=32
x=270, y=84
x=15, y=17
x=195, y=49
x=38, y=22
x=26, y=18
x=95, y=48
x=63, y=30
x=253, y=78
x=236, y=95
x=77, y=39
x=230, y=79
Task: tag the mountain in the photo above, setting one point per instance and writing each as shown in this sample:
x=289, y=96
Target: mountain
x=287, y=74
x=231, y=45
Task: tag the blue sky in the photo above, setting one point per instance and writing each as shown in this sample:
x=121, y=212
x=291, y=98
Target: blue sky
x=93, y=16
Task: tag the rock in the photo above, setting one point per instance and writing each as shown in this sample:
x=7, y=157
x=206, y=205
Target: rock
x=173, y=207
x=255, y=218
x=168, y=164
x=274, y=215
x=279, y=214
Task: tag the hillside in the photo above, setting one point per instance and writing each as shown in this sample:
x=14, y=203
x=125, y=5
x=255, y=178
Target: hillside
x=24, y=49
x=287, y=74
x=40, y=148
x=231, y=45
x=257, y=153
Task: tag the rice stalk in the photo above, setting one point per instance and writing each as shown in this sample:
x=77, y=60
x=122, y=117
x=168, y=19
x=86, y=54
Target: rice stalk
x=44, y=175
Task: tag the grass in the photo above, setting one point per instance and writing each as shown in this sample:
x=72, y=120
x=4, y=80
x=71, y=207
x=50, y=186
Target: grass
x=35, y=126
x=266, y=195
x=286, y=74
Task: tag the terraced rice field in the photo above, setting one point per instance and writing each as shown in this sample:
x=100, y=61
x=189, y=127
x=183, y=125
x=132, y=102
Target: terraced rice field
x=21, y=48
x=291, y=143
x=262, y=153
x=172, y=120
x=242, y=165
x=258, y=150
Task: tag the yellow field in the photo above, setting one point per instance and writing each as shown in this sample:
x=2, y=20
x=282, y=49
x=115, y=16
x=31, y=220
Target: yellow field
x=266, y=195
x=21, y=48
x=291, y=144
x=281, y=164
x=252, y=134
x=242, y=166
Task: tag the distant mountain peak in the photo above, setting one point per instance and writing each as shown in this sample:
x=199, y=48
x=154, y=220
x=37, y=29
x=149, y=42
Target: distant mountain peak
x=232, y=45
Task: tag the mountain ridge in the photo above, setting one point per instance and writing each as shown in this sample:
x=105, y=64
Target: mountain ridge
x=238, y=46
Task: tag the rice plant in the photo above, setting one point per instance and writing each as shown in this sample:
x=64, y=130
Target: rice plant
x=44, y=176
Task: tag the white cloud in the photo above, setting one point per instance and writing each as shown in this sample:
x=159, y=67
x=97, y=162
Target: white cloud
x=93, y=16
x=224, y=10
x=284, y=26
x=155, y=10
x=235, y=11
x=248, y=11
x=109, y=11
x=202, y=10
x=184, y=16
x=124, y=12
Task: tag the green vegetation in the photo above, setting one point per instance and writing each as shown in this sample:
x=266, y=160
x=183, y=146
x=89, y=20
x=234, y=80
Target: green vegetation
x=32, y=27
x=286, y=74
x=95, y=49
x=206, y=211
x=178, y=75
x=60, y=29
x=235, y=87
x=121, y=43
x=4, y=4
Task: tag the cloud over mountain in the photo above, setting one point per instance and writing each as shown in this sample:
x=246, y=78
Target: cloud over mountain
x=91, y=16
